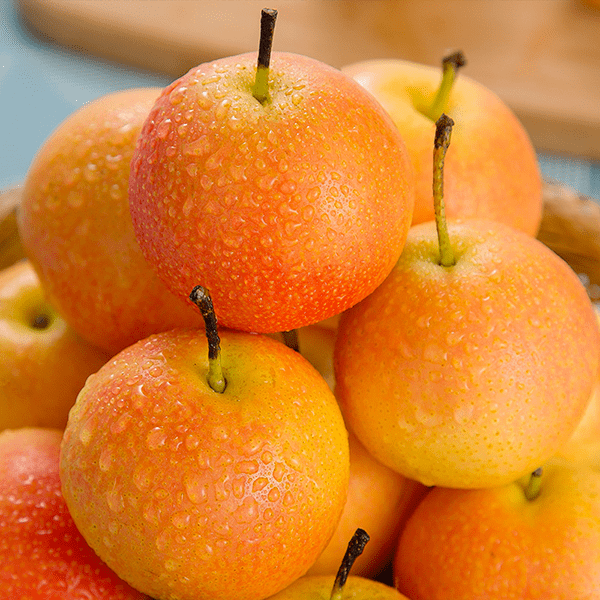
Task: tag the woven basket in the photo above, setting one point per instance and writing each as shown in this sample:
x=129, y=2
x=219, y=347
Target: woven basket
x=570, y=226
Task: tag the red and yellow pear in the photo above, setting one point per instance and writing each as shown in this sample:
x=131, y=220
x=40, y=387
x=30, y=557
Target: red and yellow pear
x=474, y=361
x=280, y=184
x=203, y=468
x=44, y=362
x=75, y=227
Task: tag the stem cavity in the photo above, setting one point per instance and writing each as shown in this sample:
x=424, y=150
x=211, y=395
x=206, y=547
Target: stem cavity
x=201, y=298
x=450, y=66
x=443, y=131
x=260, y=89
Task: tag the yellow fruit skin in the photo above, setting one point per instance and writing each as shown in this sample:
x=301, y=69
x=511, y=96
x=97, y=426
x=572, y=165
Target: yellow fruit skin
x=495, y=544
x=318, y=587
x=42, y=369
x=491, y=168
x=76, y=229
x=189, y=494
x=472, y=375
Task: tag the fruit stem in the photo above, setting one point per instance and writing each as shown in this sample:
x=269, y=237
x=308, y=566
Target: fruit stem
x=355, y=548
x=201, y=298
x=450, y=66
x=260, y=89
x=290, y=339
x=534, y=485
x=443, y=130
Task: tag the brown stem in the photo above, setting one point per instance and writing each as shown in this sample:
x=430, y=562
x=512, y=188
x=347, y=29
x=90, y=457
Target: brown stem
x=443, y=130
x=355, y=548
x=260, y=90
x=450, y=66
x=201, y=298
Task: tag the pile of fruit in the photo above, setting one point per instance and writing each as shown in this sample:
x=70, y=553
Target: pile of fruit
x=275, y=304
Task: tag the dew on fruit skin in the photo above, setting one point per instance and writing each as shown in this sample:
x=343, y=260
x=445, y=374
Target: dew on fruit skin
x=115, y=191
x=273, y=495
x=75, y=199
x=195, y=488
x=247, y=511
x=114, y=499
x=91, y=173
x=106, y=459
x=156, y=438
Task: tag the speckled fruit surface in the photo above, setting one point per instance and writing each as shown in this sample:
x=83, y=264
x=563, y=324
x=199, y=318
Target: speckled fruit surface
x=491, y=168
x=44, y=362
x=42, y=555
x=75, y=227
x=495, y=544
x=288, y=212
x=471, y=375
x=189, y=494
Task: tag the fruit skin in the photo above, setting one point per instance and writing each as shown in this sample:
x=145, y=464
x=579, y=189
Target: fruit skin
x=42, y=555
x=191, y=494
x=75, y=226
x=583, y=446
x=380, y=501
x=491, y=168
x=288, y=213
x=318, y=587
x=495, y=544
x=472, y=375
x=42, y=368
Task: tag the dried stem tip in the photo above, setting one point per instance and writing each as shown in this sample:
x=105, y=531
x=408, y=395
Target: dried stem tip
x=450, y=66
x=260, y=90
x=443, y=131
x=201, y=298
x=355, y=548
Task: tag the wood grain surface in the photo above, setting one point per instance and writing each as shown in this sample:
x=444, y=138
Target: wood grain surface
x=541, y=56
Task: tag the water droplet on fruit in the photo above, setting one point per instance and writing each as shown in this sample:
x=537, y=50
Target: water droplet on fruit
x=106, y=459
x=91, y=173
x=279, y=471
x=181, y=520
x=113, y=162
x=435, y=354
x=177, y=95
x=75, y=199
x=114, y=499
x=195, y=488
x=156, y=438
x=247, y=511
x=116, y=193
x=259, y=484
x=274, y=494
x=171, y=565
x=191, y=441
x=143, y=476
x=248, y=467
x=220, y=434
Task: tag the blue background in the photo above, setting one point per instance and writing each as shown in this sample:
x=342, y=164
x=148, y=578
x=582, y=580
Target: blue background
x=42, y=83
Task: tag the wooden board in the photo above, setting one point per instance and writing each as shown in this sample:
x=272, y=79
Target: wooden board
x=541, y=56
